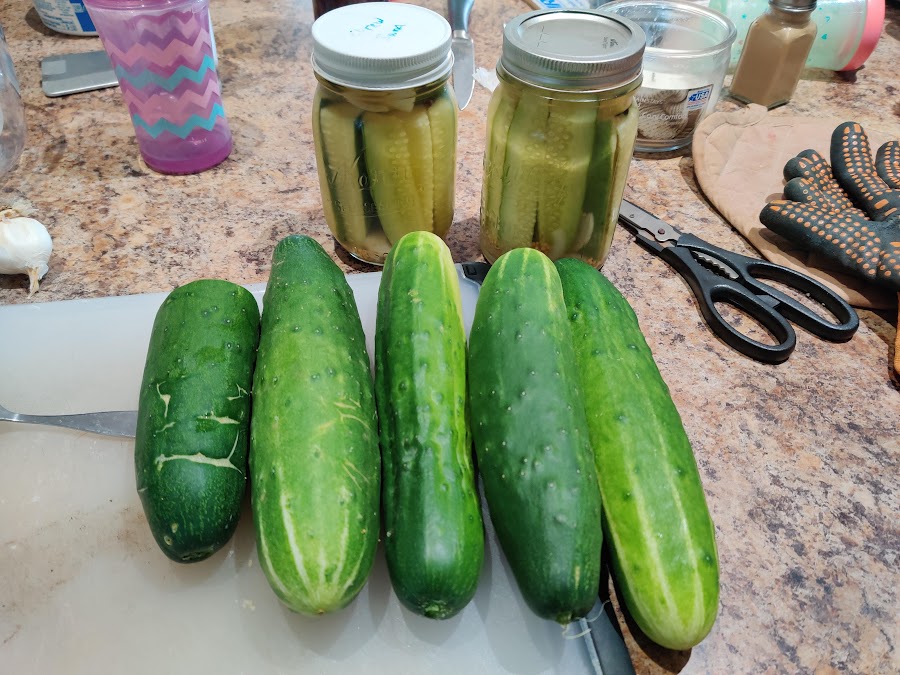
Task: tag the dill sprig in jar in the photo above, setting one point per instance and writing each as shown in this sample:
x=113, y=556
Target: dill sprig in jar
x=384, y=124
x=560, y=134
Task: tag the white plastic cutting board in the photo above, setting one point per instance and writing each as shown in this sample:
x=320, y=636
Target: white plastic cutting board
x=84, y=588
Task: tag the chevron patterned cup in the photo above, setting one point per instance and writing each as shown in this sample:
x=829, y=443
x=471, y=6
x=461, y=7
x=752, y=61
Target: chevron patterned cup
x=163, y=53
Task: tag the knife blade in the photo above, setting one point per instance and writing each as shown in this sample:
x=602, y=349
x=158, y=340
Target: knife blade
x=463, y=50
x=112, y=423
x=602, y=634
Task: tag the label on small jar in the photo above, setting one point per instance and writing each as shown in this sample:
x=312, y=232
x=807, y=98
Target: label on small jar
x=669, y=114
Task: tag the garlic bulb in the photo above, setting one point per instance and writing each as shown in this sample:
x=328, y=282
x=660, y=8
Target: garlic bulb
x=25, y=247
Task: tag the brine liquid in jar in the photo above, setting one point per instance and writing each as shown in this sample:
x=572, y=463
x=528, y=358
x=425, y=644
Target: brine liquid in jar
x=385, y=136
x=560, y=135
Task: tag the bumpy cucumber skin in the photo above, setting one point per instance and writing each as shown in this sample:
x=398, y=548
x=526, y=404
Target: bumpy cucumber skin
x=656, y=519
x=190, y=451
x=434, y=537
x=531, y=436
x=314, y=460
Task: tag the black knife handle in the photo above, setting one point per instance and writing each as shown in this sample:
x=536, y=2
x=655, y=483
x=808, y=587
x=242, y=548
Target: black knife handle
x=458, y=13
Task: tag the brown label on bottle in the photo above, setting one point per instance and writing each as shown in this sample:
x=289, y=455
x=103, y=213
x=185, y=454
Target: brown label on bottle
x=670, y=114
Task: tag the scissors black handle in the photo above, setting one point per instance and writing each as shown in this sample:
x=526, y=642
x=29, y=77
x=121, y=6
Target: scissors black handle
x=764, y=303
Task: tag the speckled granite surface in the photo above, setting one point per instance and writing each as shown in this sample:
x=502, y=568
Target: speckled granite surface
x=799, y=460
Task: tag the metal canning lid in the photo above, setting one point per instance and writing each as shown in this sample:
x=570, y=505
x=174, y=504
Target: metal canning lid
x=381, y=45
x=573, y=49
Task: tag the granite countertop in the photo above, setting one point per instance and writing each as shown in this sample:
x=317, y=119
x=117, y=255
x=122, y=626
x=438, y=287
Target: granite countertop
x=799, y=460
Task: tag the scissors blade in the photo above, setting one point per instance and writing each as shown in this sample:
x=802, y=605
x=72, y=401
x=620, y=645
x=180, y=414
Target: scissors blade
x=644, y=223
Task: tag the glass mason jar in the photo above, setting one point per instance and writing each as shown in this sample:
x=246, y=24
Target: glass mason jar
x=560, y=134
x=384, y=124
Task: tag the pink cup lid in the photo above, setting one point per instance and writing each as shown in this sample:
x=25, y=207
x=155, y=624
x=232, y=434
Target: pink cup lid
x=871, y=34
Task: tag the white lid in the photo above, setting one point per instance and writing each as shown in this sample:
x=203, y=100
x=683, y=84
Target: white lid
x=381, y=45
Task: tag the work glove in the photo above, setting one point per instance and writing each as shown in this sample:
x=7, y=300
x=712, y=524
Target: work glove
x=849, y=211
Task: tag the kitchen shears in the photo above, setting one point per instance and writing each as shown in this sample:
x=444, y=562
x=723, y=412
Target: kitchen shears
x=719, y=276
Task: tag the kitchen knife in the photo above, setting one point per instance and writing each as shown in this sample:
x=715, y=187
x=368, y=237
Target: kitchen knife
x=463, y=51
x=602, y=635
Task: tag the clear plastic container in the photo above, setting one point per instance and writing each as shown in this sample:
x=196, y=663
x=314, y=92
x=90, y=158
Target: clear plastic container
x=560, y=133
x=848, y=30
x=384, y=124
x=12, y=113
x=687, y=56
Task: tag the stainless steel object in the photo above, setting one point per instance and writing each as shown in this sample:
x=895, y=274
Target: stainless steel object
x=119, y=423
x=463, y=50
x=73, y=73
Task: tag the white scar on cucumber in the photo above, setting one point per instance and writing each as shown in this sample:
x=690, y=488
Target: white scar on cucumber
x=200, y=458
x=242, y=393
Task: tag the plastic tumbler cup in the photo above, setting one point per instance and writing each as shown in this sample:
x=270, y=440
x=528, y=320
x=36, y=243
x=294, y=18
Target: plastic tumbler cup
x=163, y=55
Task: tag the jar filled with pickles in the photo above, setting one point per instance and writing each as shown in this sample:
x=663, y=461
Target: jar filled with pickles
x=561, y=129
x=384, y=123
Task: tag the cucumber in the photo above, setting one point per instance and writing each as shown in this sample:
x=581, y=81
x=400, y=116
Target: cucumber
x=400, y=161
x=190, y=450
x=442, y=121
x=610, y=161
x=522, y=172
x=564, y=175
x=314, y=460
x=338, y=157
x=500, y=113
x=434, y=537
x=656, y=521
x=531, y=437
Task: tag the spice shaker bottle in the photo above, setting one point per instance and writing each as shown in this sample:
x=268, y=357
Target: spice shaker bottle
x=775, y=53
x=384, y=124
x=560, y=133
x=848, y=30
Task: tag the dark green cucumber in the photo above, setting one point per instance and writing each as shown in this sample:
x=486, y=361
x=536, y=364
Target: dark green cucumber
x=190, y=450
x=657, y=523
x=531, y=436
x=434, y=537
x=314, y=460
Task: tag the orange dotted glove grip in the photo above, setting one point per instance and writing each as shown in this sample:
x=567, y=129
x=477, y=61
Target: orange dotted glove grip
x=848, y=211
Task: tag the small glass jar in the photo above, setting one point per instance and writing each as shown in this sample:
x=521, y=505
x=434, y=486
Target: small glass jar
x=384, y=124
x=560, y=134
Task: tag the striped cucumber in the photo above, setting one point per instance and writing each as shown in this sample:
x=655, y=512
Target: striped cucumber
x=656, y=519
x=314, y=460
x=531, y=436
x=190, y=450
x=434, y=538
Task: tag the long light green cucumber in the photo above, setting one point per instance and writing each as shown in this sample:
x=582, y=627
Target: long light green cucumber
x=434, y=538
x=525, y=156
x=656, y=520
x=531, y=436
x=563, y=174
x=500, y=114
x=190, y=450
x=314, y=458
x=338, y=156
x=400, y=162
x=442, y=120
x=607, y=176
